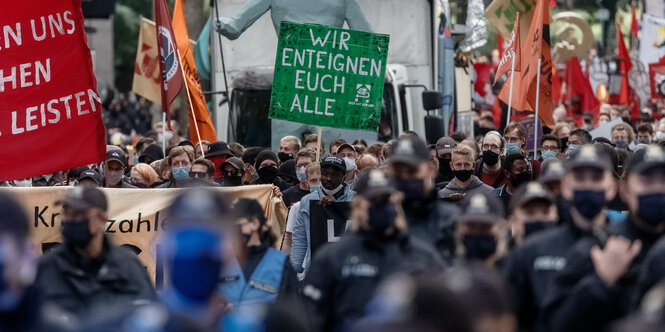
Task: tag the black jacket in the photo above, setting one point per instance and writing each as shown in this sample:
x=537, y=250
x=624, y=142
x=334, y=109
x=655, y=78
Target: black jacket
x=651, y=272
x=578, y=300
x=433, y=221
x=281, y=184
x=344, y=275
x=66, y=280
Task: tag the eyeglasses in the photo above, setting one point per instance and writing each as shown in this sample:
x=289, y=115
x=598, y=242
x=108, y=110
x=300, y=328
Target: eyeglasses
x=198, y=175
x=549, y=148
x=491, y=147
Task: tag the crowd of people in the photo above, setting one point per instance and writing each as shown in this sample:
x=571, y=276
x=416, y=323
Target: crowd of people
x=467, y=234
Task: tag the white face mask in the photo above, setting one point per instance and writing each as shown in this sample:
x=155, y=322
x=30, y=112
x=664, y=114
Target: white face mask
x=332, y=192
x=113, y=177
x=350, y=164
x=168, y=134
x=301, y=174
x=660, y=135
x=23, y=183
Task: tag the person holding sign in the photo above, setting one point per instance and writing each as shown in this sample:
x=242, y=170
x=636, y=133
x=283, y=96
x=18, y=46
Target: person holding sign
x=333, y=189
x=344, y=275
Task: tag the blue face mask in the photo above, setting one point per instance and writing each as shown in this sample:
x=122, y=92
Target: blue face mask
x=512, y=148
x=621, y=144
x=573, y=149
x=136, y=160
x=548, y=154
x=314, y=188
x=181, y=173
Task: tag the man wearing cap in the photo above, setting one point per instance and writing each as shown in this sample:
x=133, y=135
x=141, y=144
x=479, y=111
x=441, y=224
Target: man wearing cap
x=444, y=150
x=88, y=269
x=464, y=182
x=218, y=152
x=333, y=189
x=489, y=168
x=606, y=268
x=480, y=229
x=114, y=169
x=348, y=153
x=344, y=275
x=91, y=178
x=233, y=169
x=532, y=210
x=294, y=194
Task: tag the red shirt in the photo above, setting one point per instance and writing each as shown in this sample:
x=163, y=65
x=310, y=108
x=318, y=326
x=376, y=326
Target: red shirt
x=489, y=178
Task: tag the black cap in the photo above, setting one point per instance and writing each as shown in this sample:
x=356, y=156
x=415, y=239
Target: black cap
x=333, y=161
x=116, y=154
x=186, y=142
x=551, y=170
x=643, y=160
x=218, y=149
x=151, y=153
x=235, y=162
x=90, y=174
x=529, y=192
x=85, y=197
x=374, y=183
x=410, y=150
x=481, y=207
x=589, y=156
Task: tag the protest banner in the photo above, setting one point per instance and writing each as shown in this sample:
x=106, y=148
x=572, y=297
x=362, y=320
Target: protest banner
x=50, y=112
x=532, y=136
x=136, y=217
x=652, y=39
x=657, y=80
x=329, y=76
x=146, y=69
x=327, y=223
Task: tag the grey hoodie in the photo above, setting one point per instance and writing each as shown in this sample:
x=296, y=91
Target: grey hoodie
x=475, y=186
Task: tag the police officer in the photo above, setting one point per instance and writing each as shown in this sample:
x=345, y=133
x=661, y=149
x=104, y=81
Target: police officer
x=602, y=273
x=531, y=266
x=480, y=229
x=345, y=274
x=266, y=273
x=532, y=210
x=428, y=218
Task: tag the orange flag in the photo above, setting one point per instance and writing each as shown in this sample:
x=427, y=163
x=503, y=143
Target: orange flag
x=526, y=87
x=512, y=50
x=200, y=108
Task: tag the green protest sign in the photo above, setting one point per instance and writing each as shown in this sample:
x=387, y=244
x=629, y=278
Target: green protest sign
x=329, y=77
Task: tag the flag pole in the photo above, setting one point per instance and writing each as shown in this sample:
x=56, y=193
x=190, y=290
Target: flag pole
x=164, y=133
x=510, y=95
x=189, y=99
x=318, y=145
x=535, y=127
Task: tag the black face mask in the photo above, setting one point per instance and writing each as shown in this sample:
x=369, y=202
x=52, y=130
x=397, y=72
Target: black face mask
x=518, y=179
x=536, y=226
x=268, y=173
x=77, y=233
x=283, y=156
x=479, y=246
x=589, y=203
x=650, y=208
x=232, y=180
x=444, y=169
x=412, y=189
x=382, y=216
x=463, y=175
x=564, y=143
x=490, y=158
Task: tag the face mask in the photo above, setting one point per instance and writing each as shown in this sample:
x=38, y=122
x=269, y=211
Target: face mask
x=444, y=167
x=77, y=233
x=333, y=191
x=382, y=216
x=23, y=183
x=412, y=189
x=660, y=136
x=168, y=136
x=268, y=173
x=621, y=144
x=573, y=149
x=283, y=156
x=181, y=173
x=548, y=154
x=314, y=188
x=463, y=175
x=479, y=246
x=536, y=226
x=519, y=179
x=612, y=117
x=301, y=174
x=650, y=208
x=136, y=160
x=350, y=164
x=196, y=278
x=490, y=157
x=589, y=203
x=232, y=181
x=512, y=148
x=113, y=177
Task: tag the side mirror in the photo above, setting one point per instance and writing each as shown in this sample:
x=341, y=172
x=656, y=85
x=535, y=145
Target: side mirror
x=432, y=100
x=434, y=128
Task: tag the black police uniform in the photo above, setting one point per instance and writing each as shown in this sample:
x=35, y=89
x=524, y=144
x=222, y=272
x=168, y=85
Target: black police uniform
x=578, y=300
x=344, y=275
x=651, y=272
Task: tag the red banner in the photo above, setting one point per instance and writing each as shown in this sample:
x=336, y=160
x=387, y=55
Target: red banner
x=50, y=113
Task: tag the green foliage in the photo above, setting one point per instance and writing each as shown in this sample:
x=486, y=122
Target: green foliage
x=126, y=25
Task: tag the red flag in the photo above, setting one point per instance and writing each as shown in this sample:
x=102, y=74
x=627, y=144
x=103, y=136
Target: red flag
x=634, y=25
x=50, y=113
x=169, y=63
x=556, y=85
x=577, y=84
x=624, y=66
x=512, y=50
x=499, y=45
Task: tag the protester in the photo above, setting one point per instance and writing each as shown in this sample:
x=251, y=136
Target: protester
x=47, y=180
x=202, y=145
x=114, y=170
x=204, y=171
x=622, y=135
x=288, y=147
x=151, y=153
x=376, y=150
x=313, y=179
x=517, y=172
x=367, y=161
x=515, y=133
x=249, y=158
x=89, y=270
x=236, y=149
x=180, y=162
x=428, y=219
x=303, y=159
x=444, y=149
x=334, y=145
x=480, y=227
x=310, y=143
x=218, y=153
x=552, y=173
x=338, y=286
x=287, y=173
x=90, y=178
x=464, y=183
x=142, y=176
x=644, y=134
x=550, y=147
x=233, y=171
x=333, y=189
x=266, y=167
x=489, y=168
x=170, y=134
x=348, y=153
x=577, y=138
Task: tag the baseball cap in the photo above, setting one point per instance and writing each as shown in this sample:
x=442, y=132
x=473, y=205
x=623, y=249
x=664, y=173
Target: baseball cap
x=445, y=145
x=85, y=197
x=90, y=174
x=235, y=162
x=374, y=183
x=332, y=161
x=117, y=155
x=529, y=192
x=219, y=148
x=481, y=207
x=646, y=159
x=551, y=170
x=589, y=156
x=410, y=150
x=346, y=146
